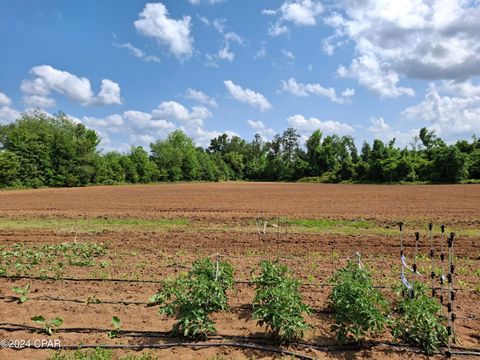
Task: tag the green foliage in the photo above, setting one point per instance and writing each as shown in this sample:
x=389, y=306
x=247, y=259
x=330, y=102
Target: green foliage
x=50, y=150
x=360, y=309
x=21, y=259
x=42, y=150
x=22, y=292
x=420, y=321
x=98, y=354
x=145, y=169
x=319, y=224
x=93, y=354
x=175, y=157
x=192, y=297
x=117, y=324
x=49, y=326
x=9, y=168
x=278, y=303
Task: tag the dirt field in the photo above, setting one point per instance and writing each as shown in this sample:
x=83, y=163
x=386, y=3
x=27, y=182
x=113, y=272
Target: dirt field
x=150, y=232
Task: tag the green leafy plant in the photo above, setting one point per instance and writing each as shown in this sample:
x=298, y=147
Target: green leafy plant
x=359, y=309
x=193, y=296
x=22, y=259
x=98, y=354
x=49, y=325
x=278, y=303
x=420, y=321
x=117, y=324
x=22, y=293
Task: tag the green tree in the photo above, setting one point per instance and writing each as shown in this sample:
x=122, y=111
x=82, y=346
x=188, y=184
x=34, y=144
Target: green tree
x=52, y=150
x=474, y=164
x=448, y=165
x=176, y=157
x=144, y=167
x=9, y=168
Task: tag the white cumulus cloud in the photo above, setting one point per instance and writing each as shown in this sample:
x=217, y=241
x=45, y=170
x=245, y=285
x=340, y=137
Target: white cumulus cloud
x=297, y=12
x=225, y=52
x=380, y=129
x=138, y=53
x=247, y=96
x=418, y=39
x=200, y=97
x=452, y=109
x=154, y=22
x=309, y=125
x=176, y=111
x=380, y=80
x=37, y=91
x=304, y=90
x=5, y=100
x=260, y=128
x=8, y=115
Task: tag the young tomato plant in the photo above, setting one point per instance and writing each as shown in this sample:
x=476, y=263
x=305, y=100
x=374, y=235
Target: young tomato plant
x=117, y=324
x=192, y=297
x=278, y=303
x=22, y=293
x=49, y=326
x=420, y=321
x=360, y=309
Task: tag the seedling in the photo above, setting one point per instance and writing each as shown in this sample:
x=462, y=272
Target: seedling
x=112, y=334
x=22, y=292
x=49, y=326
x=92, y=300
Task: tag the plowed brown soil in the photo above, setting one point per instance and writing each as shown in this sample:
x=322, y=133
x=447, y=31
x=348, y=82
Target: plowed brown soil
x=237, y=200
x=150, y=255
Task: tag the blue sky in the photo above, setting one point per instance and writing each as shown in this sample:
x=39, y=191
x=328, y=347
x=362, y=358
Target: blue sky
x=136, y=70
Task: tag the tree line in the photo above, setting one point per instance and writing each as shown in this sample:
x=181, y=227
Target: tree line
x=41, y=150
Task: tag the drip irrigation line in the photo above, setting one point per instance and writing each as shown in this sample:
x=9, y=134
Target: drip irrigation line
x=48, y=278
x=142, y=303
x=318, y=311
x=137, y=333
x=149, y=334
x=237, y=282
x=254, y=346
x=91, y=301
x=178, y=344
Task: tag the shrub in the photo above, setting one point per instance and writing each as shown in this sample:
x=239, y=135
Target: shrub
x=192, y=297
x=326, y=178
x=360, y=309
x=419, y=321
x=278, y=303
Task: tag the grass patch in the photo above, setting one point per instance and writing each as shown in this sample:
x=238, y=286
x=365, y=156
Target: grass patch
x=98, y=354
x=332, y=226
x=91, y=225
x=358, y=227
x=321, y=224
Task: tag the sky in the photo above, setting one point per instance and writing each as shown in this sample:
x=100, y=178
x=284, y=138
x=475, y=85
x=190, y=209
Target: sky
x=135, y=70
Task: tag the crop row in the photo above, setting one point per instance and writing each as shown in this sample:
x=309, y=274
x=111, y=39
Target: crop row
x=359, y=309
